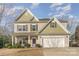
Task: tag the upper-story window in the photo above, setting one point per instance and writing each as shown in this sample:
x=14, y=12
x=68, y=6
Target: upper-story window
x=34, y=27
x=22, y=28
x=53, y=25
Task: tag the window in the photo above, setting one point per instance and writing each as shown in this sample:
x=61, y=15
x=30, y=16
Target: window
x=34, y=27
x=22, y=27
x=53, y=25
x=19, y=27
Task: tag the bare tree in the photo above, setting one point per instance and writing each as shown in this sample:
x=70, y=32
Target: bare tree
x=2, y=9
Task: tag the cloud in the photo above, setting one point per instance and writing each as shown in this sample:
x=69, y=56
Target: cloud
x=12, y=11
x=62, y=11
x=67, y=7
x=34, y=5
x=60, y=14
x=58, y=8
x=50, y=14
x=55, y=5
x=71, y=16
x=18, y=7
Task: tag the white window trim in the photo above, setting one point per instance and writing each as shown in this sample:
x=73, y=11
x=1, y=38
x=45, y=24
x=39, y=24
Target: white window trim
x=22, y=27
x=34, y=24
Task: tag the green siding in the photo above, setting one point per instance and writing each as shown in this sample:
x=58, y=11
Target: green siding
x=26, y=17
x=56, y=30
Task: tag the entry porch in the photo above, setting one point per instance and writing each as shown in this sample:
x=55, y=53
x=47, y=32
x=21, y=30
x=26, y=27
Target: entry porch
x=24, y=40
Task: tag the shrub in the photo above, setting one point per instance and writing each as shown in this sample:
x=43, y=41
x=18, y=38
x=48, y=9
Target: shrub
x=4, y=40
x=13, y=46
x=8, y=45
x=38, y=45
x=28, y=45
x=17, y=46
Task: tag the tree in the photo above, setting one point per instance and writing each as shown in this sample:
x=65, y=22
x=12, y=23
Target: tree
x=77, y=34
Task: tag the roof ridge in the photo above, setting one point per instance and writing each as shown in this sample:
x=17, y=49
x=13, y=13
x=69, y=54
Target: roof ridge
x=46, y=25
x=20, y=14
x=32, y=18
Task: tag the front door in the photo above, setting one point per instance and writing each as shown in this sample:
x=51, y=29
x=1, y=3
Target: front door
x=33, y=42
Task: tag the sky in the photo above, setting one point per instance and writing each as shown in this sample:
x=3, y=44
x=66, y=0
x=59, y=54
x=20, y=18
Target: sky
x=68, y=11
x=46, y=10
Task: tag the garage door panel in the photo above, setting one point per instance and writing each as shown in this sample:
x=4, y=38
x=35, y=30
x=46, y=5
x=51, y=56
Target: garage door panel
x=45, y=43
x=53, y=42
x=60, y=42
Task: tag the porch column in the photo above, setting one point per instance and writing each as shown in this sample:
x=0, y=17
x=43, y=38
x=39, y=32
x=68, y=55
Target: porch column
x=12, y=40
x=15, y=40
x=29, y=39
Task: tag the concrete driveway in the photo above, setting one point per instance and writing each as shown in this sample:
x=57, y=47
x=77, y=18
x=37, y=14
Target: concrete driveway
x=71, y=51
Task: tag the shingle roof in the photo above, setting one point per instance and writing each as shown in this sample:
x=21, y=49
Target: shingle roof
x=47, y=25
x=47, y=19
x=20, y=14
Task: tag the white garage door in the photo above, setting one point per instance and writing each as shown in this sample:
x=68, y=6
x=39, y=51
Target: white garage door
x=53, y=41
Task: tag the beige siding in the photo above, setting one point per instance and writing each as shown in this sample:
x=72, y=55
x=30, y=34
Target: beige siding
x=25, y=17
x=41, y=25
x=39, y=41
x=15, y=27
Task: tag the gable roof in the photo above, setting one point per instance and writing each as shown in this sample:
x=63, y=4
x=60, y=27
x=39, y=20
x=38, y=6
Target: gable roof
x=46, y=25
x=18, y=17
x=61, y=26
x=59, y=29
x=26, y=16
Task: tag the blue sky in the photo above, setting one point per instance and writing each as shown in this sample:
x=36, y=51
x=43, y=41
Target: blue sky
x=45, y=10
x=69, y=11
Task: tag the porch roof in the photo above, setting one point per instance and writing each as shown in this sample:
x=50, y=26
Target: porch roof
x=25, y=34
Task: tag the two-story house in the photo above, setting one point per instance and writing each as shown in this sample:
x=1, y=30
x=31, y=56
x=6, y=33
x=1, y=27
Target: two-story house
x=46, y=32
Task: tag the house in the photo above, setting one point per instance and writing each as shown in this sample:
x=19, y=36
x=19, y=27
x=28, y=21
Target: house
x=46, y=32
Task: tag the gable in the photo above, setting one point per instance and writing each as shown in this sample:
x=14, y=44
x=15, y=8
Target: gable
x=56, y=31
x=27, y=16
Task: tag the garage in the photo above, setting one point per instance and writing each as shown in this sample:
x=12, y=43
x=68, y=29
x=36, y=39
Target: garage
x=53, y=41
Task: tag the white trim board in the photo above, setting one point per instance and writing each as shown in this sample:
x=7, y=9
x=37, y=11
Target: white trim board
x=32, y=14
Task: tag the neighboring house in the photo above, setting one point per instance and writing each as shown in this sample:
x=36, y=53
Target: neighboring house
x=46, y=32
